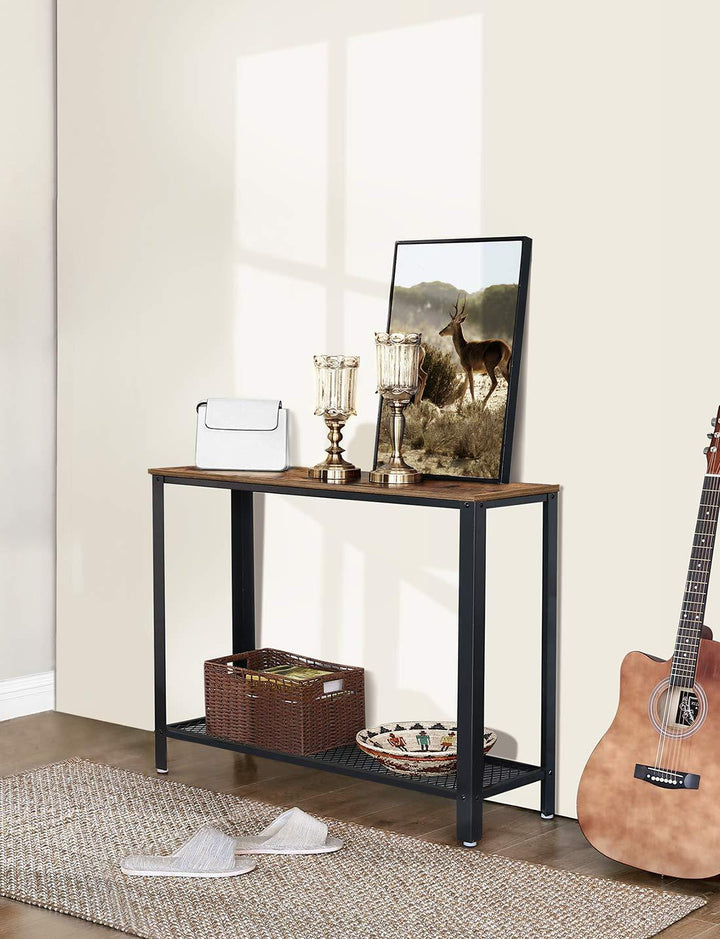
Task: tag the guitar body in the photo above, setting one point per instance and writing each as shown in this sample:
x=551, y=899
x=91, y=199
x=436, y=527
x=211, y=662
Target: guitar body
x=667, y=829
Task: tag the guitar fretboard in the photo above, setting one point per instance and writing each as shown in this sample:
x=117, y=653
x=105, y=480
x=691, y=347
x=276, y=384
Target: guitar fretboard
x=687, y=645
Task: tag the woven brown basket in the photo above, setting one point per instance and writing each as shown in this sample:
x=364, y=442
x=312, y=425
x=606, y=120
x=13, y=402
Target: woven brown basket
x=280, y=713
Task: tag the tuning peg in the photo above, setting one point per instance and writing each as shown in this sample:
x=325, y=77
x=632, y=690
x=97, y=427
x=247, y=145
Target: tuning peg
x=706, y=450
x=713, y=421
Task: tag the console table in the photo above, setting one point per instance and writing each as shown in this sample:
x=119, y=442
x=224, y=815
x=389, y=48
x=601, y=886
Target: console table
x=478, y=776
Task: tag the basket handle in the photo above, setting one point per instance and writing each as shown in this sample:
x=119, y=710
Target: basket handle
x=240, y=663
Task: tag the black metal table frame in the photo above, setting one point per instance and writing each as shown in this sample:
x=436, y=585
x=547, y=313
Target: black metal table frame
x=469, y=791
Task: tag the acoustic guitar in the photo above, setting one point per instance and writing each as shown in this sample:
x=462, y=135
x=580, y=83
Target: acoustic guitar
x=650, y=793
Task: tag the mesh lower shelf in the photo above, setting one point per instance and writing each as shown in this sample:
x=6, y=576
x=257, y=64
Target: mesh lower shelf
x=352, y=760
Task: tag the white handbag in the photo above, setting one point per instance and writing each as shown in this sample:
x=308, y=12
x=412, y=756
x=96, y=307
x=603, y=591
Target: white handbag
x=237, y=434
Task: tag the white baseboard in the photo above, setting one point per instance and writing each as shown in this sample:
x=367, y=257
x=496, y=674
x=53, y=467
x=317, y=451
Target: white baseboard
x=28, y=694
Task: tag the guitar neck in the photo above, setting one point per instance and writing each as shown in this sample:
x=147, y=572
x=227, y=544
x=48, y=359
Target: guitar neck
x=687, y=644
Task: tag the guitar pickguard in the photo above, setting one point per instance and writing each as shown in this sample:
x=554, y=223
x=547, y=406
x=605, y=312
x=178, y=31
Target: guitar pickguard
x=688, y=708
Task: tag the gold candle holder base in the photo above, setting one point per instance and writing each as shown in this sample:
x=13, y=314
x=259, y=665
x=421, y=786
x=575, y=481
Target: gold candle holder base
x=334, y=474
x=396, y=471
x=334, y=469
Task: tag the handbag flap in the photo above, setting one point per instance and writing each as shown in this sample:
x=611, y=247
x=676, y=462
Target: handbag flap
x=241, y=414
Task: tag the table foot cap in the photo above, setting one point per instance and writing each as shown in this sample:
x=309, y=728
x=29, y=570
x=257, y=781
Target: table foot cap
x=547, y=817
x=469, y=844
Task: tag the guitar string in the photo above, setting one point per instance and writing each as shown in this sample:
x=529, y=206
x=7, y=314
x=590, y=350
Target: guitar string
x=704, y=527
x=684, y=673
x=707, y=533
x=662, y=765
x=708, y=528
x=679, y=671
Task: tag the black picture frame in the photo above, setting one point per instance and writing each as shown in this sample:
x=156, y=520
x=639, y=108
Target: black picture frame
x=517, y=344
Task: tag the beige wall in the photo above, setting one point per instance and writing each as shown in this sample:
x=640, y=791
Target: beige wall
x=27, y=339
x=233, y=176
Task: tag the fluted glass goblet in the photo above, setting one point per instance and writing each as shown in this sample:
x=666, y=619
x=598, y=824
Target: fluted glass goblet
x=398, y=365
x=335, y=385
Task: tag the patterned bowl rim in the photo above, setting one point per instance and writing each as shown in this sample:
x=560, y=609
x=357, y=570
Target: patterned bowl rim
x=364, y=739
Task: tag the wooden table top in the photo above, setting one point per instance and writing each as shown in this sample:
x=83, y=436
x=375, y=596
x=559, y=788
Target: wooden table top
x=441, y=490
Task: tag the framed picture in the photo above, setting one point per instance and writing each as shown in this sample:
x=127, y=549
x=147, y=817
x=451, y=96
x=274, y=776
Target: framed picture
x=467, y=297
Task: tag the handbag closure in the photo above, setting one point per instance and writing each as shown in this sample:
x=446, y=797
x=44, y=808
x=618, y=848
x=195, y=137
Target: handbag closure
x=241, y=414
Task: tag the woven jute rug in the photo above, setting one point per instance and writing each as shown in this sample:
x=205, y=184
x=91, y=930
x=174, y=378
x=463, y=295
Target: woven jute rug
x=65, y=827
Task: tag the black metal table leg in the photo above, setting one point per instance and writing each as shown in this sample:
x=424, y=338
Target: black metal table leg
x=243, y=571
x=158, y=516
x=549, y=655
x=471, y=673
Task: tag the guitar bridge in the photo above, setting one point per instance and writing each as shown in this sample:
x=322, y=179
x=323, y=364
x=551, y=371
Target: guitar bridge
x=666, y=778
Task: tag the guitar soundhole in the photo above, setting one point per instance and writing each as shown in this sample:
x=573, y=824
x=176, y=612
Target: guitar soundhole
x=678, y=712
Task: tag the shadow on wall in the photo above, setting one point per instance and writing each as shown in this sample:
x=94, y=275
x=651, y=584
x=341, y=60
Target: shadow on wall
x=506, y=746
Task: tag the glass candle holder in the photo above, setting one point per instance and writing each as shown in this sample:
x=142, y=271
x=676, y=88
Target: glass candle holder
x=398, y=365
x=335, y=384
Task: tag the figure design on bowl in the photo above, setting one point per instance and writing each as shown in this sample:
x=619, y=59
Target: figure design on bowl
x=416, y=748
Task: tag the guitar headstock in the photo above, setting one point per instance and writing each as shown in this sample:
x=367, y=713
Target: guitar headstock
x=712, y=452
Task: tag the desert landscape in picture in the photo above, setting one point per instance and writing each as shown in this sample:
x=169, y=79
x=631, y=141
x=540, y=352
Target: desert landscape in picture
x=456, y=423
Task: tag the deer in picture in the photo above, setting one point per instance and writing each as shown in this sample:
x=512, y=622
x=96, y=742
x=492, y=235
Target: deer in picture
x=485, y=356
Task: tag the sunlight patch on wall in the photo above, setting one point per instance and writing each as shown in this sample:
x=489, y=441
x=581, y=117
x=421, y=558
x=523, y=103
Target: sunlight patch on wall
x=294, y=602
x=414, y=113
x=426, y=667
x=281, y=153
x=278, y=320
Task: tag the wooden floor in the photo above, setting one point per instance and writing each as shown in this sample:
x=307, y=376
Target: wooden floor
x=44, y=738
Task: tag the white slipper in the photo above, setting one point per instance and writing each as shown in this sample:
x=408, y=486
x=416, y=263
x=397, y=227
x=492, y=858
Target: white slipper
x=209, y=853
x=293, y=832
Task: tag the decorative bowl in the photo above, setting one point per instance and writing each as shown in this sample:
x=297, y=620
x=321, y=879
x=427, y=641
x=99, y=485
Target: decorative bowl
x=414, y=748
